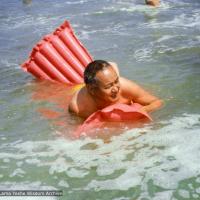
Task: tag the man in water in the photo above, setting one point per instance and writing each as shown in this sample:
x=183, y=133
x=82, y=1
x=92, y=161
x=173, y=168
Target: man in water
x=104, y=87
x=152, y=2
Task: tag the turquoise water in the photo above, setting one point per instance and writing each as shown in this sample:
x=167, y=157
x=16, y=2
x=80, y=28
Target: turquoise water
x=157, y=48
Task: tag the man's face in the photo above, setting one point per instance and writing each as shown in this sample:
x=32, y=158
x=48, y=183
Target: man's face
x=108, y=86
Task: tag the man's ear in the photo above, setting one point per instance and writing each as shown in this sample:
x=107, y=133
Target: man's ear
x=91, y=88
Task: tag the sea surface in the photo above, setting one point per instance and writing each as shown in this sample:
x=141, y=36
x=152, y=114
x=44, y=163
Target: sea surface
x=159, y=48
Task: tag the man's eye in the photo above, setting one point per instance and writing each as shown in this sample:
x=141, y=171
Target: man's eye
x=107, y=87
x=117, y=81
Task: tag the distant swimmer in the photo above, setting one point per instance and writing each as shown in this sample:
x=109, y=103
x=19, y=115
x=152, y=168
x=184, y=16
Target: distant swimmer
x=104, y=87
x=27, y=1
x=153, y=2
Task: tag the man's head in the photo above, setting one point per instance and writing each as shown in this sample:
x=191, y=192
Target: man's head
x=102, y=81
x=152, y=2
x=92, y=69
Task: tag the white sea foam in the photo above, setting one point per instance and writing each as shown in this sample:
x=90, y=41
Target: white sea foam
x=177, y=139
x=76, y=2
x=143, y=54
x=63, y=183
x=184, y=194
x=165, y=38
x=164, y=155
x=16, y=22
x=164, y=45
x=18, y=172
x=182, y=20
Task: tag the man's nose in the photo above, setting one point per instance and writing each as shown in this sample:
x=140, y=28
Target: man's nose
x=115, y=88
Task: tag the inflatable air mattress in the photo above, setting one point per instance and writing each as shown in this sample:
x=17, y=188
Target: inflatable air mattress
x=59, y=56
x=114, y=113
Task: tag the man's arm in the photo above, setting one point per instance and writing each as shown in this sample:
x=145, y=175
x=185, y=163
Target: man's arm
x=81, y=104
x=139, y=95
x=73, y=107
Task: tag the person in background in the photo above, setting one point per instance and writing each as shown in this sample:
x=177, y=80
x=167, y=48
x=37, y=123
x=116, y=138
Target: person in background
x=104, y=87
x=27, y=1
x=153, y=2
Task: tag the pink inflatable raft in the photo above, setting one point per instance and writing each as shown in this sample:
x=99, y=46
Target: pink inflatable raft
x=113, y=113
x=61, y=57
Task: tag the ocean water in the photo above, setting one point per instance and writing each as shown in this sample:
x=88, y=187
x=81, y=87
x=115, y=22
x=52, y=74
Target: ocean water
x=158, y=48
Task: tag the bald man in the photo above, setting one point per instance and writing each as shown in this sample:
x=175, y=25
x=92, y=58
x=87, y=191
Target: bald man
x=104, y=87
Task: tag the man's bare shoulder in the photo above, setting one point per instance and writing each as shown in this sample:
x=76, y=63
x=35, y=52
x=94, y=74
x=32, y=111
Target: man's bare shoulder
x=129, y=87
x=132, y=90
x=138, y=94
x=72, y=104
x=81, y=103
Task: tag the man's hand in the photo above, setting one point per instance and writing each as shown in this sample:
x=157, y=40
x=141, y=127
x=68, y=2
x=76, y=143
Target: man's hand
x=142, y=110
x=154, y=105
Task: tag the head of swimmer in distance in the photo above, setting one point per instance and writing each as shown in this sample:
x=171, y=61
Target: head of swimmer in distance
x=102, y=81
